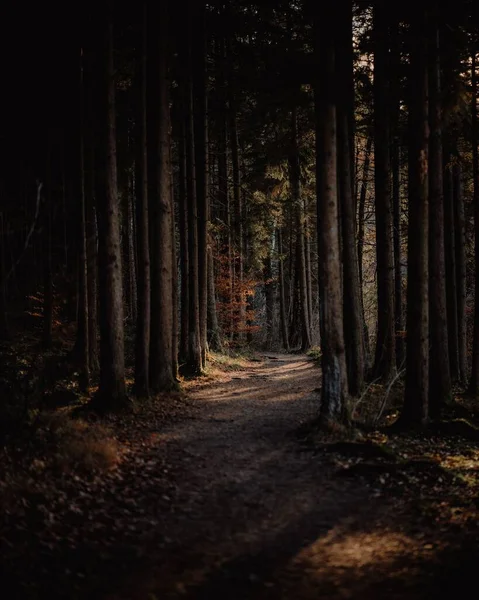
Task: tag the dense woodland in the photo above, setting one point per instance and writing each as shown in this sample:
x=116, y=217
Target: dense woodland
x=187, y=181
x=194, y=177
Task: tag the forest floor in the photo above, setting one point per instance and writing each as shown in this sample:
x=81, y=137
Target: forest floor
x=224, y=493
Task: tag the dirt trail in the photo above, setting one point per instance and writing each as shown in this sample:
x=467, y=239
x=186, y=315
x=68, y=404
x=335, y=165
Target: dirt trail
x=256, y=516
x=226, y=503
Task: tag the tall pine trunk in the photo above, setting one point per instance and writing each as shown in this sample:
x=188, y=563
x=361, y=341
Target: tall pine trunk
x=439, y=373
x=352, y=306
x=450, y=228
x=162, y=377
x=334, y=393
x=474, y=382
x=415, y=411
x=111, y=391
x=82, y=345
x=282, y=293
x=142, y=342
x=460, y=284
x=193, y=364
x=295, y=174
x=201, y=167
x=384, y=365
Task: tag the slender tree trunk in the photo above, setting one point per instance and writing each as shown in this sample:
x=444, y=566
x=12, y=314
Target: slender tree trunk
x=238, y=211
x=82, y=344
x=162, y=377
x=309, y=279
x=269, y=300
x=459, y=227
x=352, y=306
x=214, y=333
x=184, y=258
x=396, y=197
x=4, y=334
x=439, y=374
x=92, y=263
x=201, y=162
x=385, y=360
x=142, y=342
x=334, y=393
x=283, y=318
x=295, y=174
x=474, y=382
x=112, y=391
x=415, y=411
x=450, y=228
x=362, y=204
x=193, y=364
x=223, y=192
x=47, y=257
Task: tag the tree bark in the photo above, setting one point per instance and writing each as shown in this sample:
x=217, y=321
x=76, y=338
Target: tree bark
x=282, y=293
x=111, y=392
x=201, y=167
x=4, y=333
x=295, y=174
x=385, y=360
x=439, y=374
x=450, y=228
x=396, y=196
x=352, y=306
x=47, y=255
x=459, y=226
x=82, y=344
x=415, y=411
x=269, y=300
x=193, y=365
x=334, y=393
x=362, y=204
x=214, y=333
x=143, y=320
x=474, y=382
x=162, y=378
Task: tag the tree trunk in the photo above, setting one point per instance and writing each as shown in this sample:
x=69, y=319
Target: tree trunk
x=184, y=258
x=353, y=318
x=4, y=334
x=269, y=300
x=439, y=374
x=82, y=345
x=309, y=277
x=334, y=394
x=92, y=262
x=162, y=378
x=385, y=360
x=47, y=256
x=193, y=365
x=362, y=204
x=450, y=229
x=283, y=319
x=295, y=174
x=415, y=411
x=238, y=211
x=142, y=341
x=201, y=167
x=111, y=391
x=474, y=382
x=214, y=333
x=459, y=226
x=396, y=197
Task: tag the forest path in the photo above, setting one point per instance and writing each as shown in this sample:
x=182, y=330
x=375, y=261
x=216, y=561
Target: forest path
x=257, y=516
x=217, y=497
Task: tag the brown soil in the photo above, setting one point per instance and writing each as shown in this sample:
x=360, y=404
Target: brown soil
x=243, y=510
